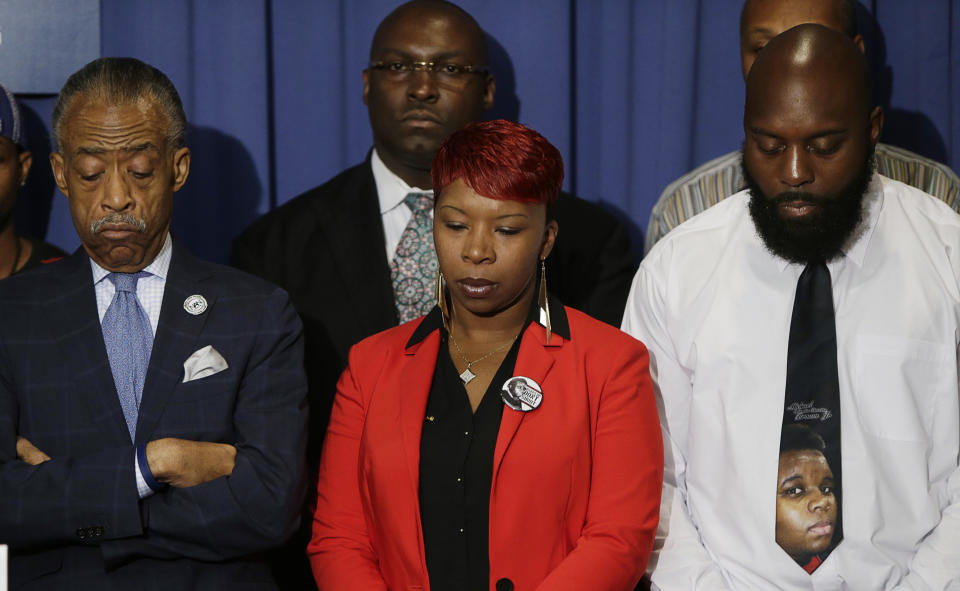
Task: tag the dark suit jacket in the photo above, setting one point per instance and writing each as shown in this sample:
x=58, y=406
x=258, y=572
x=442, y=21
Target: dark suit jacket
x=326, y=248
x=76, y=521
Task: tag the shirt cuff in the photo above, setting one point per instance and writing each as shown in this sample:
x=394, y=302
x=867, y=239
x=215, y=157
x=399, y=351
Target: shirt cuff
x=146, y=483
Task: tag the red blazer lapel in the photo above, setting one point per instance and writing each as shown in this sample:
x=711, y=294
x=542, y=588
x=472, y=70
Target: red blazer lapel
x=534, y=361
x=416, y=377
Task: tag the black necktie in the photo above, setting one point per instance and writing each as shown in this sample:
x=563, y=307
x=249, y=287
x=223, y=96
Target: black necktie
x=812, y=401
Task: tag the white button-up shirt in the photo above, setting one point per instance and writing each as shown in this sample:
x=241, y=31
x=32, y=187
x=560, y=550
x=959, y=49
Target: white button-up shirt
x=714, y=307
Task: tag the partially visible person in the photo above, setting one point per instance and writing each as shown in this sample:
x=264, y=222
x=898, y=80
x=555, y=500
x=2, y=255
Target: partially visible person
x=710, y=183
x=827, y=295
x=503, y=441
x=17, y=253
x=806, y=504
x=152, y=405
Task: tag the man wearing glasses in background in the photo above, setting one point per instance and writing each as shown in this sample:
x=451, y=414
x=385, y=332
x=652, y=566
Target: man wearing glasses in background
x=356, y=253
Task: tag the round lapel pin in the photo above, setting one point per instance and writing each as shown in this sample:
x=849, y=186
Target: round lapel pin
x=521, y=393
x=195, y=304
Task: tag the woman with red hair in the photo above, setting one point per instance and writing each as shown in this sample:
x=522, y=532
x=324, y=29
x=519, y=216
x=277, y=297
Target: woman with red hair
x=502, y=441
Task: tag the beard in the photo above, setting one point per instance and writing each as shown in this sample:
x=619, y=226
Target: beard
x=818, y=237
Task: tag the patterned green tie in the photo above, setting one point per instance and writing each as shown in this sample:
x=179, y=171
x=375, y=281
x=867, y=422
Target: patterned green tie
x=414, y=264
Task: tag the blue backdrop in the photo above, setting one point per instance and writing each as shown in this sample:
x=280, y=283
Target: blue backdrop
x=633, y=92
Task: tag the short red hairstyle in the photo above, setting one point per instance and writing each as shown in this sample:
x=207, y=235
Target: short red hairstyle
x=501, y=160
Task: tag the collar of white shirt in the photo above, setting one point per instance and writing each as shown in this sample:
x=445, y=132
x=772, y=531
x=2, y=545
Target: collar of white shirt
x=856, y=248
x=158, y=267
x=391, y=189
x=149, y=289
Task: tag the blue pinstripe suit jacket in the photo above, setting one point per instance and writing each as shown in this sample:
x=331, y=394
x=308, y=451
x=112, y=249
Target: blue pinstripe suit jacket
x=76, y=521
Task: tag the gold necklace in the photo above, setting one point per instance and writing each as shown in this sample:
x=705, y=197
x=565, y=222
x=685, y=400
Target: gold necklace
x=466, y=375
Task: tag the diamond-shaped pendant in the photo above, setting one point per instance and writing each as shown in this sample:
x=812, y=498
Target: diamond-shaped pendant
x=467, y=375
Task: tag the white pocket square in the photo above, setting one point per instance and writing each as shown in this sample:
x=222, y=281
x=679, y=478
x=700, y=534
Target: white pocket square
x=204, y=362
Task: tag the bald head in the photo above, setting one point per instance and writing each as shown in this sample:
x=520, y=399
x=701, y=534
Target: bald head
x=413, y=109
x=810, y=134
x=425, y=11
x=813, y=61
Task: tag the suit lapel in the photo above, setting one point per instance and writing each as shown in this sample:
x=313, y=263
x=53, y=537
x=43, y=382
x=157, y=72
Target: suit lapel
x=176, y=337
x=82, y=342
x=355, y=229
x=534, y=361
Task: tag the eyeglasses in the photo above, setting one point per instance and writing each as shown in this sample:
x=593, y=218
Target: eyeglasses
x=455, y=75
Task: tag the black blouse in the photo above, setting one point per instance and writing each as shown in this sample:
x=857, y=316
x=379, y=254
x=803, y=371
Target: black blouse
x=456, y=472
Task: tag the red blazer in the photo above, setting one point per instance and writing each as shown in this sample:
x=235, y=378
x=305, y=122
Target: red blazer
x=576, y=482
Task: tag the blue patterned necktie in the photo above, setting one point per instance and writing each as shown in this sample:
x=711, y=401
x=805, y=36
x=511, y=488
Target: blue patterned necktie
x=129, y=339
x=414, y=264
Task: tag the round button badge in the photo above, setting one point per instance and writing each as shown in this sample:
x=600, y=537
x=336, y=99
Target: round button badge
x=521, y=393
x=195, y=304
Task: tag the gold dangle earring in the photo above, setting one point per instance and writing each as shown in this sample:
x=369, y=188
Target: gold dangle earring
x=442, y=300
x=543, y=301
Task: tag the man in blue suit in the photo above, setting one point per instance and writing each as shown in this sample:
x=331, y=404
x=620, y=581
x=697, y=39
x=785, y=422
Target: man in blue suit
x=152, y=405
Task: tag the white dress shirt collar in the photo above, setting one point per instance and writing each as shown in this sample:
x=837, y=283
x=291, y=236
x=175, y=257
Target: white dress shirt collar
x=872, y=204
x=149, y=289
x=158, y=267
x=391, y=189
x=856, y=248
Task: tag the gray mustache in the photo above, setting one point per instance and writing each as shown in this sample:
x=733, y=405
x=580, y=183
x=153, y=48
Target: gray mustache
x=119, y=218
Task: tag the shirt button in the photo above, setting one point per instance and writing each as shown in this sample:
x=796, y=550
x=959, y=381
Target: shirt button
x=459, y=479
x=466, y=433
x=461, y=530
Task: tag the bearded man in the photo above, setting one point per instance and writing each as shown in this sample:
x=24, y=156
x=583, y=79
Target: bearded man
x=713, y=181
x=823, y=297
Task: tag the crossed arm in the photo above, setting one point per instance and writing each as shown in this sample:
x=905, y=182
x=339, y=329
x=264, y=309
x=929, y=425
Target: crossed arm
x=181, y=463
